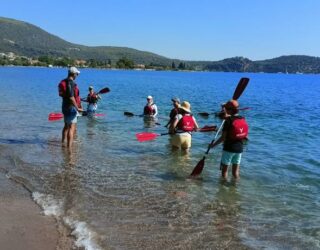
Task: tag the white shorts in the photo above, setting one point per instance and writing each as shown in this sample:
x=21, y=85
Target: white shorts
x=181, y=140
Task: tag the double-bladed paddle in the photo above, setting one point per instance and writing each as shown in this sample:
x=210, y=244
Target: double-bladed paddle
x=57, y=116
x=101, y=91
x=242, y=84
x=148, y=136
x=236, y=95
x=217, y=113
x=131, y=114
x=199, y=167
x=104, y=91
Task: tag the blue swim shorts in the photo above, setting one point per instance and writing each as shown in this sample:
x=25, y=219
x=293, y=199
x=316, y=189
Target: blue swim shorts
x=70, y=115
x=229, y=158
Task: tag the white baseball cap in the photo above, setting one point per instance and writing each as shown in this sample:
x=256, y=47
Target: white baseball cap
x=74, y=70
x=149, y=97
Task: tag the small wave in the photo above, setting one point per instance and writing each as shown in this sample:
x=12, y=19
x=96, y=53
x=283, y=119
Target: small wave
x=85, y=237
x=49, y=205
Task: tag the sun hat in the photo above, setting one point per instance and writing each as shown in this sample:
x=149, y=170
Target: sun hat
x=185, y=106
x=149, y=97
x=74, y=70
x=232, y=104
x=175, y=99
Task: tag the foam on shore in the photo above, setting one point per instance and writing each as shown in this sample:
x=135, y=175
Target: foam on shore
x=85, y=237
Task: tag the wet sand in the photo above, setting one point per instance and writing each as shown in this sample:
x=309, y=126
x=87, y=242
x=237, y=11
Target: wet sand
x=23, y=225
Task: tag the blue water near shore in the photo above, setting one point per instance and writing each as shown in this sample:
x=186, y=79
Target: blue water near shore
x=118, y=193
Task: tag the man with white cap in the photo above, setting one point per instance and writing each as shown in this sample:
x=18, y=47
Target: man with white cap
x=150, y=110
x=183, y=125
x=174, y=111
x=70, y=106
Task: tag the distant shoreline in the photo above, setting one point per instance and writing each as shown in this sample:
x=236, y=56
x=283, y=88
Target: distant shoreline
x=65, y=67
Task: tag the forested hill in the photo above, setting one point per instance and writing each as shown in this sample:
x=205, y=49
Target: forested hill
x=26, y=40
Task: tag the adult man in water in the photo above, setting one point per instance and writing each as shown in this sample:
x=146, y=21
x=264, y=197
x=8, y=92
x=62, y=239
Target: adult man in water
x=174, y=111
x=235, y=131
x=70, y=106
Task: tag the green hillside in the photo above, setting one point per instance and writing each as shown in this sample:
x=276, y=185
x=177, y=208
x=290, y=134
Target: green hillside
x=27, y=40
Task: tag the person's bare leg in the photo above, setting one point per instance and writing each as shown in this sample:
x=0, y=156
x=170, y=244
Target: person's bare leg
x=185, y=151
x=64, y=133
x=236, y=171
x=224, y=171
x=71, y=134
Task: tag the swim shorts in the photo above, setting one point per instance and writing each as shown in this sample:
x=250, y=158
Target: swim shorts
x=229, y=158
x=70, y=115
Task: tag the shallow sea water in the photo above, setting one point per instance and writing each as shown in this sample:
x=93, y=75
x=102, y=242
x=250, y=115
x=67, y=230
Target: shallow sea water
x=117, y=193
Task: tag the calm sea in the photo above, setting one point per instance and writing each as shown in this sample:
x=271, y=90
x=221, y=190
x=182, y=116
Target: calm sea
x=117, y=193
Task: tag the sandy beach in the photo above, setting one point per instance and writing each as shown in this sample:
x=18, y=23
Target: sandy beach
x=23, y=225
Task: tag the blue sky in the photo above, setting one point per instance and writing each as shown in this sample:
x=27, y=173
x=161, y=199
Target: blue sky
x=182, y=29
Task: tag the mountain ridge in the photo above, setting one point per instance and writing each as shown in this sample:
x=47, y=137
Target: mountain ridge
x=25, y=39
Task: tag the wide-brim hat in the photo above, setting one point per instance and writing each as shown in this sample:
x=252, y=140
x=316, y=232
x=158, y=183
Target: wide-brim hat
x=186, y=106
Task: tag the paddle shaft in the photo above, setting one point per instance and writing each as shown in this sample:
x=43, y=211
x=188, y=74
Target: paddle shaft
x=207, y=114
x=215, y=137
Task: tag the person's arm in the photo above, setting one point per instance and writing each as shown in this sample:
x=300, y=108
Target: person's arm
x=155, y=110
x=172, y=115
x=196, y=126
x=174, y=124
x=220, y=140
x=72, y=98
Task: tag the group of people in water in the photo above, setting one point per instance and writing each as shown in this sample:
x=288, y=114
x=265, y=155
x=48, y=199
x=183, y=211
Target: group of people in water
x=180, y=125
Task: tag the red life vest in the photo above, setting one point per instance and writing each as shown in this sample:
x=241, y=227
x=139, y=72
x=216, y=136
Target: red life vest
x=77, y=95
x=186, y=123
x=92, y=98
x=62, y=88
x=149, y=110
x=239, y=129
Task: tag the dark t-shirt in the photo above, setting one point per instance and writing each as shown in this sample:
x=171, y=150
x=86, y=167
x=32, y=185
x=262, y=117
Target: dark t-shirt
x=234, y=146
x=66, y=102
x=173, y=113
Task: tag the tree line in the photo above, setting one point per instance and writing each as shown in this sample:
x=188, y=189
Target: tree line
x=122, y=63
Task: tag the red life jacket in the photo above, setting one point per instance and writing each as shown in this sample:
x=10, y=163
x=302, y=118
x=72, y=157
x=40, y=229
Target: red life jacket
x=149, y=110
x=62, y=88
x=92, y=98
x=186, y=123
x=77, y=95
x=239, y=129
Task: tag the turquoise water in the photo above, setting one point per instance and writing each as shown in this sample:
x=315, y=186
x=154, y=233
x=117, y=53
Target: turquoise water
x=118, y=193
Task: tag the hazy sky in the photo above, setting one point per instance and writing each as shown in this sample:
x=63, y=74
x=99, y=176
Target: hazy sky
x=182, y=29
